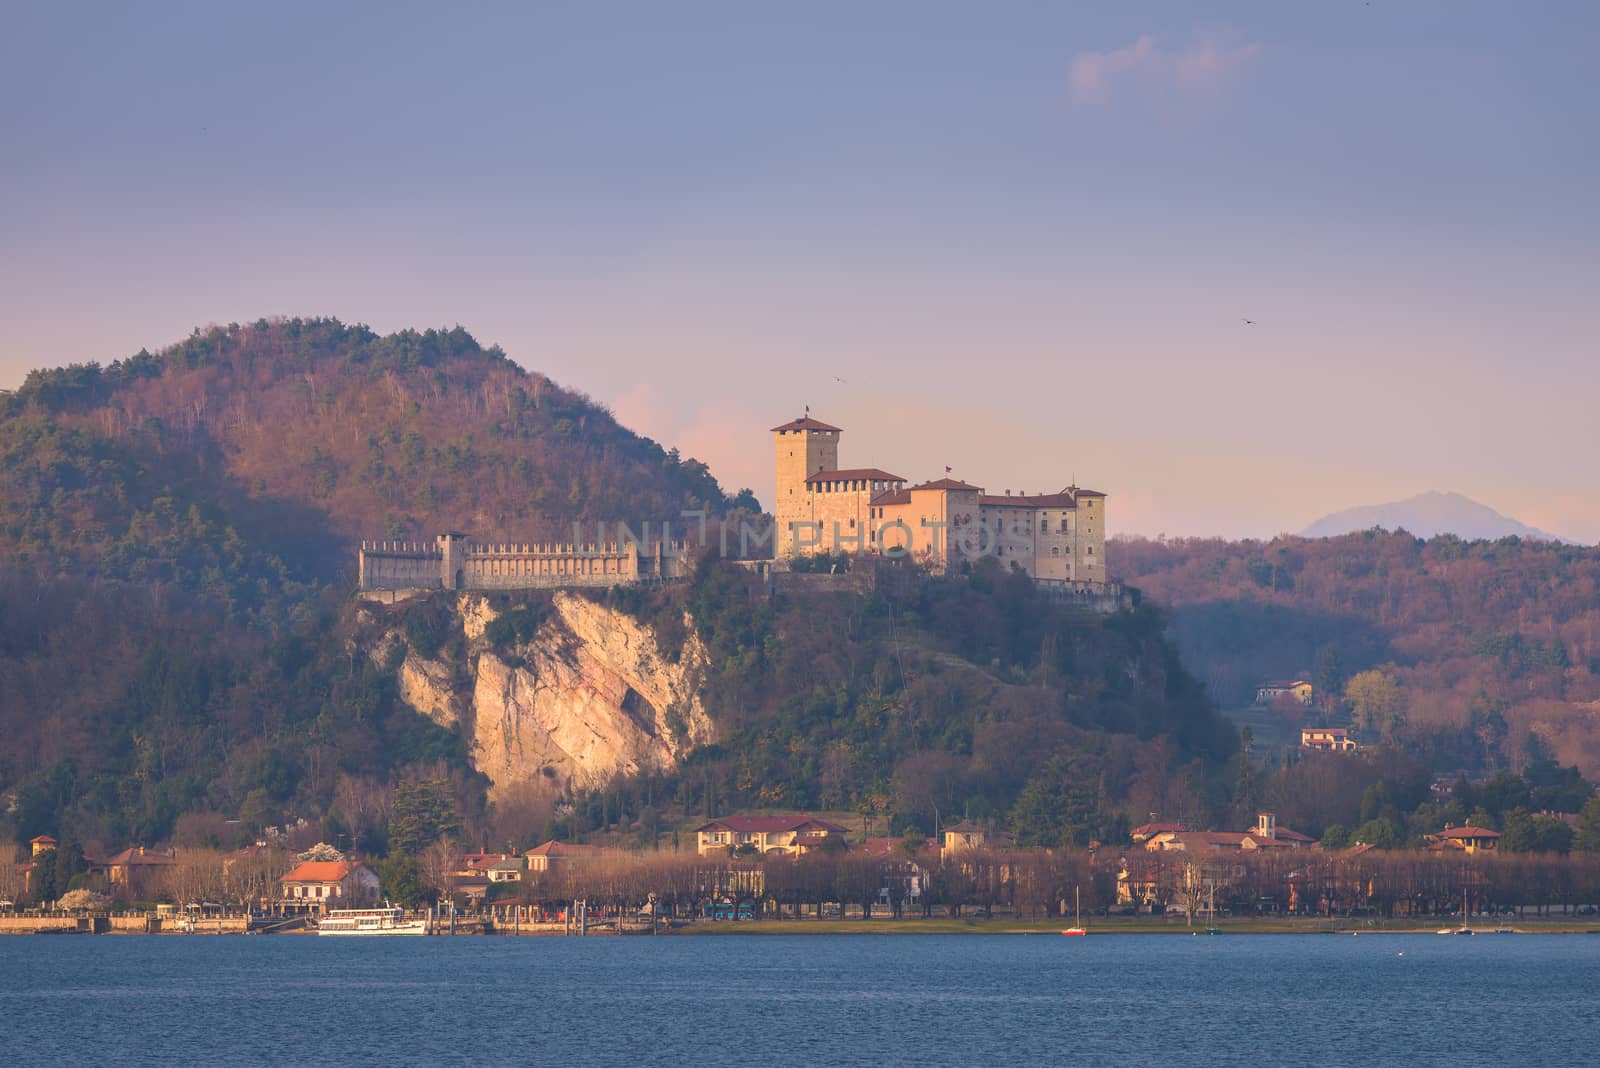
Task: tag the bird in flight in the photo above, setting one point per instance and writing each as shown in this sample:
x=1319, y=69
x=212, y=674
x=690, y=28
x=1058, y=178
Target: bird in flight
x=1250, y=322
x=836, y=378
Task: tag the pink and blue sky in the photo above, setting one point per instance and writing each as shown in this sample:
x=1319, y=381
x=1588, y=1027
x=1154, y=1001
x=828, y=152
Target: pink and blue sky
x=1025, y=235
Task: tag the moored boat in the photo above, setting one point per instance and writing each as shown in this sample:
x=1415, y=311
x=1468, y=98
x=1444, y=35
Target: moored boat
x=379, y=921
x=1077, y=930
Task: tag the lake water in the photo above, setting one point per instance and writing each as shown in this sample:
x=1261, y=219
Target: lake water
x=756, y=1000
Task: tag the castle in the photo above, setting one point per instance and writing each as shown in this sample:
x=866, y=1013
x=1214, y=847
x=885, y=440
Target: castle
x=1056, y=538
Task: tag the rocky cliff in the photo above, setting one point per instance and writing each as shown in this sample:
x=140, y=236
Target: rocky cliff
x=589, y=696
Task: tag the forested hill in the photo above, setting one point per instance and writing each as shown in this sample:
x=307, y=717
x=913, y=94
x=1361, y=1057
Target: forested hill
x=1494, y=645
x=179, y=648
x=246, y=461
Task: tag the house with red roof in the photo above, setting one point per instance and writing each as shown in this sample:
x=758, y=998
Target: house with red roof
x=1146, y=831
x=768, y=834
x=315, y=886
x=1466, y=838
x=1327, y=740
x=1266, y=834
x=553, y=854
x=136, y=873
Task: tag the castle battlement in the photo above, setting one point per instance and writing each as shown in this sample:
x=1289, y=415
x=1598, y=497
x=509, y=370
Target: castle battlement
x=456, y=562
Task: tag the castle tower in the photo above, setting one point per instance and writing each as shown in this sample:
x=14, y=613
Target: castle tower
x=802, y=447
x=453, y=547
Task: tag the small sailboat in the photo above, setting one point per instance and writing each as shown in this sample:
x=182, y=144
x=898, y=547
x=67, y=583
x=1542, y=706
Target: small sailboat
x=1077, y=930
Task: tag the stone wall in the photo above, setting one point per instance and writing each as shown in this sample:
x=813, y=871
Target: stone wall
x=457, y=563
x=396, y=565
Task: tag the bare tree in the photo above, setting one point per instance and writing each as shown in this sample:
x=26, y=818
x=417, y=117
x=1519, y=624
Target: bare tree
x=12, y=878
x=437, y=866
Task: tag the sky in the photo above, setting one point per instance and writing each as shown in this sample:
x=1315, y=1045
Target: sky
x=1018, y=239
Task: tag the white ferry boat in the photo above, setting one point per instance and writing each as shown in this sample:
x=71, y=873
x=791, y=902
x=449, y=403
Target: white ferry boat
x=383, y=921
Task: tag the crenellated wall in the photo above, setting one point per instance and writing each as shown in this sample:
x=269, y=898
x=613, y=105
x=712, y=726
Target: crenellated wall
x=456, y=562
x=398, y=565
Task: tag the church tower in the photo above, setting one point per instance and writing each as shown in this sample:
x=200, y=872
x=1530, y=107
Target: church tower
x=802, y=447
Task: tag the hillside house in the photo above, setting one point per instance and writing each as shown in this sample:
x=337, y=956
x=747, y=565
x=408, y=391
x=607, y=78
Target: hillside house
x=768, y=834
x=1292, y=689
x=1327, y=740
x=1466, y=838
x=967, y=836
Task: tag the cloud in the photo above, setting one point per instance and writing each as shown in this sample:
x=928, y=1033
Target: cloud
x=1202, y=68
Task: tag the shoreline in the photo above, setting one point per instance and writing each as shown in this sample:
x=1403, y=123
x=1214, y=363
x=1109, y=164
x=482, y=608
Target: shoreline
x=947, y=926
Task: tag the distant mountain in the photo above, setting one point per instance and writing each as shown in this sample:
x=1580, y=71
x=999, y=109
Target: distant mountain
x=1427, y=515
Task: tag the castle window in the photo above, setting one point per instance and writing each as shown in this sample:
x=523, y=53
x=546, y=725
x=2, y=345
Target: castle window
x=1091, y=550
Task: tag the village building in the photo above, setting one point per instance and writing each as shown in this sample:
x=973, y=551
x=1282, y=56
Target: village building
x=967, y=836
x=1293, y=689
x=315, y=886
x=1327, y=740
x=903, y=876
x=509, y=870
x=41, y=844
x=552, y=855
x=136, y=873
x=1055, y=538
x=1146, y=831
x=1266, y=834
x=768, y=834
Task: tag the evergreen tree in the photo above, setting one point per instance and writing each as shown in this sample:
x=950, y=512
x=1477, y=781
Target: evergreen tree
x=1587, y=840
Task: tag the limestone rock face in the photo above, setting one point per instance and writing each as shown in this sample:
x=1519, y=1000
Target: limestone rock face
x=428, y=686
x=588, y=697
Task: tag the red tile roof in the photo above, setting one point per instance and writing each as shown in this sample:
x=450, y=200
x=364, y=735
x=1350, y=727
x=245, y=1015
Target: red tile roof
x=480, y=860
x=136, y=856
x=948, y=484
x=806, y=423
x=1145, y=830
x=43, y=839
x=1067, y=498
x=553, y=848
x=1468, y=832
x=892, y=497
x=320, y=871
x=771, y=824
x=853, y=473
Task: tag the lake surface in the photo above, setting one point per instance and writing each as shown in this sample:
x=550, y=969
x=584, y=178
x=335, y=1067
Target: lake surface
x=755, y=1000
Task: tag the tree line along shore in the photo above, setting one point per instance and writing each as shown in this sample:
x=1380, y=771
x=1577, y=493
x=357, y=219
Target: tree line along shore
x=920, y=886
